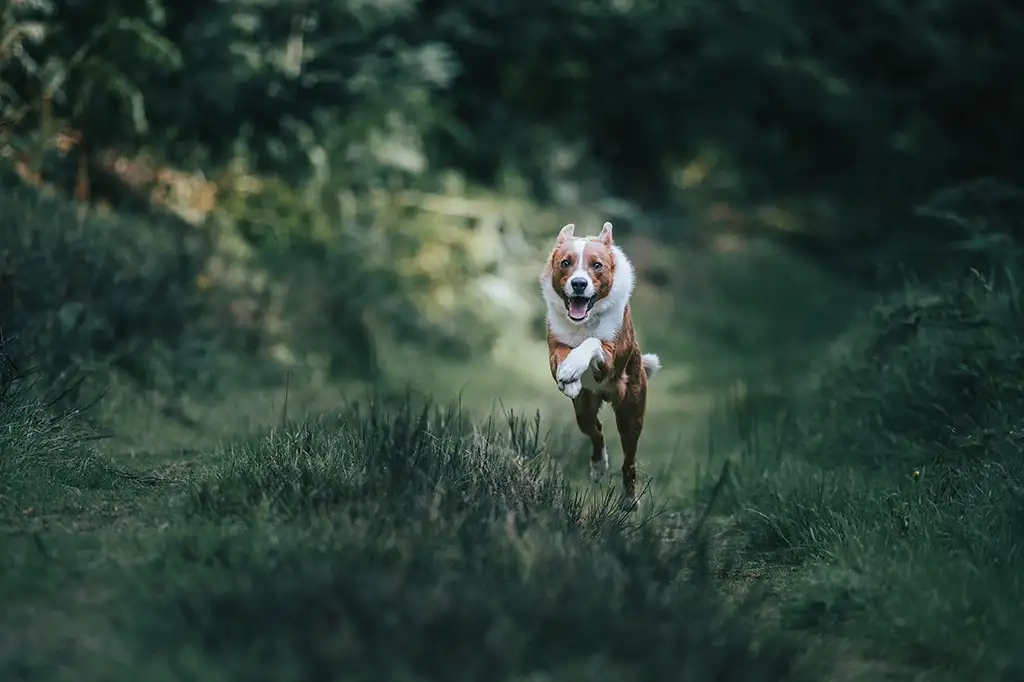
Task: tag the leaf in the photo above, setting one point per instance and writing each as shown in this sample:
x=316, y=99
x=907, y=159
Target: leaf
x=159, y=48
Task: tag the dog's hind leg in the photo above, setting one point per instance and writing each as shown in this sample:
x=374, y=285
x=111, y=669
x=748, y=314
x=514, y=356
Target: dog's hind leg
x=587, y=404
x=629, y=418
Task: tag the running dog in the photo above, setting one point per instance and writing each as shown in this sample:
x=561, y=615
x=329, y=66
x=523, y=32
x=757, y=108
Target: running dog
x=594, y=356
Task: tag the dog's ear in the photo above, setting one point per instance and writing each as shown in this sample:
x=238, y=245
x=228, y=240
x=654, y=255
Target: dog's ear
x=566, y=233
x=606, y=234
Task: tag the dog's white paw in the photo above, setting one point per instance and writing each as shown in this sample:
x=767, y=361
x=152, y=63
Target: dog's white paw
x=575, y=365
x=599, y=467
x=571, y=389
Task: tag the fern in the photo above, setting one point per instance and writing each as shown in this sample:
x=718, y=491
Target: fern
x=22, y=23
x=95, y=74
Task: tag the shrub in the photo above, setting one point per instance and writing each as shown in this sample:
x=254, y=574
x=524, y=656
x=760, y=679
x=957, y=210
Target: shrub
x=88, y=291
x=900, y=484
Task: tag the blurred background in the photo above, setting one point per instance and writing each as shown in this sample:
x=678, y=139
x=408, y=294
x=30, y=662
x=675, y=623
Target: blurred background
x=206, y=202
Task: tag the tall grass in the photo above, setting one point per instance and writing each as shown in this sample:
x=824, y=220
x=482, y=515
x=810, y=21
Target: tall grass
x=397, y=540
x=46, y=453
x=898, y=485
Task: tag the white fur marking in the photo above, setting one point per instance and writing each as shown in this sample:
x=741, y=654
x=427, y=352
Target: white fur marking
x=571, y=389
x=576, y=363
x=578, y=246
x=652, y=363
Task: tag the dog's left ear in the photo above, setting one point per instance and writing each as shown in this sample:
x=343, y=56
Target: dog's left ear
x=606, y=234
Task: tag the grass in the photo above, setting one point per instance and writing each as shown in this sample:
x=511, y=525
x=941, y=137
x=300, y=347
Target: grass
x=391, y=541
x=894, y=496
x=870, y=528
x=45, y=453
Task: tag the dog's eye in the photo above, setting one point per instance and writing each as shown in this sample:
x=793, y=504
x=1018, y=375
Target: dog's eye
x=597, y=265
x=565, y=263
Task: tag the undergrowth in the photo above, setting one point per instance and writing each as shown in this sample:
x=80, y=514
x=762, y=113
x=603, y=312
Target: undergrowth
x=46, y=453
x=91, y=293
x=897, y=484
x=394, y=540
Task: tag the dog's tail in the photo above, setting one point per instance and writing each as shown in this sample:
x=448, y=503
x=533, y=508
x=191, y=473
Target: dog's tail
x=652, y=363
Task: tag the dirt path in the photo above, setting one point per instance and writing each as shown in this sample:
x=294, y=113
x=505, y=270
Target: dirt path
x=754, y=314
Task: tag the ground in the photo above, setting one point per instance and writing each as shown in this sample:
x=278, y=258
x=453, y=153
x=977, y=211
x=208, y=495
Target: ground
x=816, y=509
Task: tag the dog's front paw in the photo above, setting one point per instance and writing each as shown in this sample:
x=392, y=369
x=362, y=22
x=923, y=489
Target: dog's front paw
x=575, y=365
x=571, y=389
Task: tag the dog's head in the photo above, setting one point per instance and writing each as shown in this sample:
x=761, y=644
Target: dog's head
x=583, y=271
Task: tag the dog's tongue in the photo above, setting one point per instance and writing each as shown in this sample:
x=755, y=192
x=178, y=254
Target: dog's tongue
x=578, y=307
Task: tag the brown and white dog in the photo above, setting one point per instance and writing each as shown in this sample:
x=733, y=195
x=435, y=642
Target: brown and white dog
x=587, y=283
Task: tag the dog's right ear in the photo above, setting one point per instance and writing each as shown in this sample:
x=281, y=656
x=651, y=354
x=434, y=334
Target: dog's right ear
x=566, y=233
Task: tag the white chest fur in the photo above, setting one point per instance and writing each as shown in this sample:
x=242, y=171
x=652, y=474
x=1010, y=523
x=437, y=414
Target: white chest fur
x=603, y=327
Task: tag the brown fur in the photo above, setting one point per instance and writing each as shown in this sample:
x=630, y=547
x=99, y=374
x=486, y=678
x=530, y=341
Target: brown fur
x=601, y=265
x=623, y=384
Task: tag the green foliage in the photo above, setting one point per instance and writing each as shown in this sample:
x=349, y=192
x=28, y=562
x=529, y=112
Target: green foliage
x=85, y=292
x=388, y=457
x=22, y=24
x=95, y=84
x=165, y=302
x=46, y=455
x=897, y=483
x=796, y=97
x=194, y=82
x=369, y=129
x=346, y=108
x=447, y=269
x=395, y=540
x=859, y=100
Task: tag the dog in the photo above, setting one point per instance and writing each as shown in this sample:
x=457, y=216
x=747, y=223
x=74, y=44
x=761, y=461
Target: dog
x=594, y=356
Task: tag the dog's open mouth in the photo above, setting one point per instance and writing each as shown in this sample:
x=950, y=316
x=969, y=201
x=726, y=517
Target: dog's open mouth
x=579, y=306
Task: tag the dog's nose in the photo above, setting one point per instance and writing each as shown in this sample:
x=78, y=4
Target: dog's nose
x=578, y=284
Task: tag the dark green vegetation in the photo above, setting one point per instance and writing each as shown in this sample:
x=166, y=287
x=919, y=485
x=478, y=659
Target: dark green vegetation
x=387, y=542
x=896, y=488
x=664, y=106
x=390, y=539
x=210, y=468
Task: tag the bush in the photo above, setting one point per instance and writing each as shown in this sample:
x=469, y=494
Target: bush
x=900, y=484
x=86, y=291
